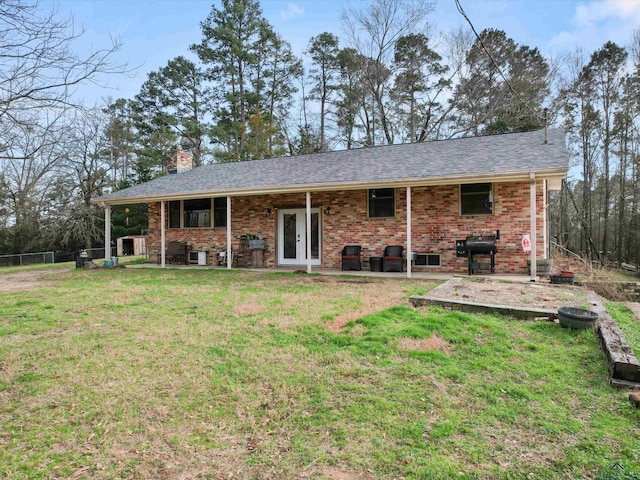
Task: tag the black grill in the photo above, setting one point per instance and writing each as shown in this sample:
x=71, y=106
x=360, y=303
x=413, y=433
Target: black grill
x=479, y=245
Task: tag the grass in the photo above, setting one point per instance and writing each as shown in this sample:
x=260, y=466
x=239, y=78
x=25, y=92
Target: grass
x=628, y=324
x=37, y=266
x=149, y=373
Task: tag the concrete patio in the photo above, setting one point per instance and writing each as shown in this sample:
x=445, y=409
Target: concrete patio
x=435, y=276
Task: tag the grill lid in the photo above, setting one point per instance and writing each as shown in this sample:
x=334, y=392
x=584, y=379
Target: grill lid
x=479, y=243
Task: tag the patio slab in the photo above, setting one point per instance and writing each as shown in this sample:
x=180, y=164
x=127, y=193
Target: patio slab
x=435, y=276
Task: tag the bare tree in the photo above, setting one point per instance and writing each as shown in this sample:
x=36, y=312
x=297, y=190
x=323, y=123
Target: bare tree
x=374, y=31
x=40, y=69
x=27, y=182
x=86, y=166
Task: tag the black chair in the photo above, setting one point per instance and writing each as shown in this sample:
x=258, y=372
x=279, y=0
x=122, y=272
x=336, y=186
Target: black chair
x=392, y=258
x=351, y=257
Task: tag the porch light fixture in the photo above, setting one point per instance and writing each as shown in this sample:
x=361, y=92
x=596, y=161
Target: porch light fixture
x=327, y=210
x=268, y=213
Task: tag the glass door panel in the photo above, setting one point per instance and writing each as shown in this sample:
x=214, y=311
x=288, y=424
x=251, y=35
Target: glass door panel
x=292, y=238
x=315, y=235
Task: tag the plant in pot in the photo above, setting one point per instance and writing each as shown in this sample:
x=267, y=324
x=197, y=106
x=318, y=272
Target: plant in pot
x=256, y=241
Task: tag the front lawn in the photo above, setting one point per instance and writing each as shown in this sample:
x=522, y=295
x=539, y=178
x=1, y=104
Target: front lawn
x=628, y=324
x=151, y=374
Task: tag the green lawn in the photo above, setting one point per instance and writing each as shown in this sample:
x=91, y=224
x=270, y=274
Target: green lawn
x=628, y=324
x=177, y=374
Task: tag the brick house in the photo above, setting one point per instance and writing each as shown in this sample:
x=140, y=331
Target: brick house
x=423, y=196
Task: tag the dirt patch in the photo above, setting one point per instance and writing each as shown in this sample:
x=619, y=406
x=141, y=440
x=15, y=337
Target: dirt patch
x=377, y=297
x=27, y=280
x=499, y=292
x=243, y=309
x=434, y=342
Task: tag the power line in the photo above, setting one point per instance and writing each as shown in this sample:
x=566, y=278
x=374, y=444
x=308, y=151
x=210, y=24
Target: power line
x=495, y=64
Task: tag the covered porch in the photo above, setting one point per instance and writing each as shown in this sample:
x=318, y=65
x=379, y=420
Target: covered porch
x=425, y=220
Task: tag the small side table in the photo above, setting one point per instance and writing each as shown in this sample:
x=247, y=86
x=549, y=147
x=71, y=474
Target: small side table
x=376, y=264
x=257, y=257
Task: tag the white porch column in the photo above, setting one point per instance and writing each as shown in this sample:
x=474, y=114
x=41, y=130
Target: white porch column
x=308, y=239
x=107, y=232
x=409, y=251
x=163, y=235
x=229, y=253
x=532, y=220
x=545, y=216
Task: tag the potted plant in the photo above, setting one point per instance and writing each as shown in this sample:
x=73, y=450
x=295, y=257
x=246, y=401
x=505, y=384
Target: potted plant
x=256, y=242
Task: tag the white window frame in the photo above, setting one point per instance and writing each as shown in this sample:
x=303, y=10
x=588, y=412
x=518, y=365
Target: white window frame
x=395, y=199
x=491, y=200
x=212, y=223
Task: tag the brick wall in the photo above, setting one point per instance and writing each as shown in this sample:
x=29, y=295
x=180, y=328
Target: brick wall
x=436, y=225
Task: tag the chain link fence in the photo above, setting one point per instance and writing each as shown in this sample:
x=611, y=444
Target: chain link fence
x=23, y=259
x=26, y=259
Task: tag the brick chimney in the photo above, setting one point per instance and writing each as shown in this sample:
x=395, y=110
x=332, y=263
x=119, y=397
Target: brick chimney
x=179, y=161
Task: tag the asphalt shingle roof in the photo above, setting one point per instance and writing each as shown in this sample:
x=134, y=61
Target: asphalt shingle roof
x=463, y=157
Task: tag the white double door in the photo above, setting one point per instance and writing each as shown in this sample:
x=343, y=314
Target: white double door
x=292, y=236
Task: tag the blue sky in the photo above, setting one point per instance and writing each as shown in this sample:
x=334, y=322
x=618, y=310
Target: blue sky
x=155, y=31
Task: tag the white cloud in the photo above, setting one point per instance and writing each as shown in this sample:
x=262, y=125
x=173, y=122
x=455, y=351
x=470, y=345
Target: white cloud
x=588, y=14
x=596, y=21
x=291, y=11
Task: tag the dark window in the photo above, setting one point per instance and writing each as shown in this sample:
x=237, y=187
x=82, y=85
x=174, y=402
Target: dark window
x=433, y=260
x=476, y=199
x=382, y=202
x=220, y=212
x=197, y=213
x=174, y=214
x=428, y=259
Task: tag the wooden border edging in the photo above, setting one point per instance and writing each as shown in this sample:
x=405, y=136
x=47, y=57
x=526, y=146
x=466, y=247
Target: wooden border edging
x=624, y=368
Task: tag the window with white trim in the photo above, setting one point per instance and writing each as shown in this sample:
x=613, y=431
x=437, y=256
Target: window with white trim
x=382, y=202
x=198, y=213
x=476, y=199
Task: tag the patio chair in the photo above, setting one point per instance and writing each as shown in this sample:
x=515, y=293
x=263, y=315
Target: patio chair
x=392, y=258
x=351, y=257
x=177, y=252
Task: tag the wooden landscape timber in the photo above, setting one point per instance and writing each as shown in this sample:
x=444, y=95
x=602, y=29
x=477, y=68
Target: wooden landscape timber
x=624, y=368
